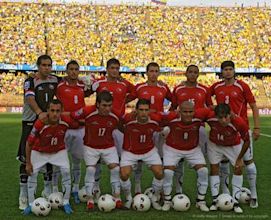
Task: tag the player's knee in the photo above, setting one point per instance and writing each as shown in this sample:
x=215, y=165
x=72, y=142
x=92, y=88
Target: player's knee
x=158, y=172
x=125, y=173
x=237, y=171
x=214, y=170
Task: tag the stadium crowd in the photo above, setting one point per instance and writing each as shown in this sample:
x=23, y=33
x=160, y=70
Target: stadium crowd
x=171, y=36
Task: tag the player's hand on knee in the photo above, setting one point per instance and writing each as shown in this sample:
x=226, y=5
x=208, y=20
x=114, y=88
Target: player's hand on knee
x=29, y=169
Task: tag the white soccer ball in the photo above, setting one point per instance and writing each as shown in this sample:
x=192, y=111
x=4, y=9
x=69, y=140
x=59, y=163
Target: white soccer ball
x=225, y=202
x=141, y=202
x=56, y=200
x=82, y=194
x=149, y=192
x=181, y=203
x=245, y=196
x=106, y=203
x=41, y=207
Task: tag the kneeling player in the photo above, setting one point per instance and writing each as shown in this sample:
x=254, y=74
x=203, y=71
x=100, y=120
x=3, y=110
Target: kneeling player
x=225, y=141
x=183, y=142
x=99, y=143
x=45, y=144
x=139, y=130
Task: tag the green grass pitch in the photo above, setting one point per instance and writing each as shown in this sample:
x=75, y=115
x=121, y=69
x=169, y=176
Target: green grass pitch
x=10, y=130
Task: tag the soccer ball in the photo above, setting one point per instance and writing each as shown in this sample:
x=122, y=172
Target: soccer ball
x=181, y=203
x=245, y=196
x=225, y=202
x=83, y=194
x=106, y=203
x=149, y=192
x=56, y=200
x=141, y=202
x=41, y=207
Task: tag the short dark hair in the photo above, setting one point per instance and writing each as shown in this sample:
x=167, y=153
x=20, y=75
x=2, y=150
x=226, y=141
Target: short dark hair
x=43, y=57
x=104, y=96
x=54, y=102
x=222, y=110
x=152, y=64
x=142, y=102
x=112, y=61
x=192, y=65
x=72, y=62
x=227, y=63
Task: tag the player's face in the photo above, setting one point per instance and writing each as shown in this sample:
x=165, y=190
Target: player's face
x=113, y=71
x=192, y=74
x=224, y=120
x=54, y=112
x=104, y=107
x=73, y=71
x=228, y=72
x=187, y=114
x=142, y=113
x=153, y=73
x=45, y=67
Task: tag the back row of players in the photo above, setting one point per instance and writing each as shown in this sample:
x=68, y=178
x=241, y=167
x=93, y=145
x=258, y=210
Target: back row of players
x=104, y=132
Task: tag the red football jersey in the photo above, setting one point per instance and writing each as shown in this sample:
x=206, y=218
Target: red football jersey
x=49, y=138
x=98, y=129
x=138, y=137
x=71, y=96
x=237, y=96
x=156, y=94
x=230, y=135
x=185, y=136
x=199, y=95
x=119, y=89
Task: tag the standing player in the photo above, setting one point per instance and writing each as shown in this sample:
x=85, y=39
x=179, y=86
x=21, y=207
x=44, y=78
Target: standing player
x=38, y=92
x=139, y=131
x=100, y=123
x=225, y=141
x=71, y=93
x=120, y=89
x=117, y=86
x=192, y=91
x=237, y=94
x=45, y=144
x=183, y=142
x=156, y=92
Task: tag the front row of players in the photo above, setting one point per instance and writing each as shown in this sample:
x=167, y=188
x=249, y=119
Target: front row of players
x=143, y=130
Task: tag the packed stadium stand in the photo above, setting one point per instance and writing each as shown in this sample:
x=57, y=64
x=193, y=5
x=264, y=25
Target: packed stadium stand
x=136, y=35
x=172, y=36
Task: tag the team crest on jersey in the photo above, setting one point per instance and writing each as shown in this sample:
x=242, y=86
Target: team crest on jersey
x=26, y=85
x=51, y=86
x=109, y=124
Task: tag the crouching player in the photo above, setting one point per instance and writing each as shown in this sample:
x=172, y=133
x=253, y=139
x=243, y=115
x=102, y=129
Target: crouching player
x=183, y=143
x=139, y=131
x=225, y=141
x=100, y=122
x=45, y=144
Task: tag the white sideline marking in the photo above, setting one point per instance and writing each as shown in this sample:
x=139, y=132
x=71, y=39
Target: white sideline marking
x=265, y=135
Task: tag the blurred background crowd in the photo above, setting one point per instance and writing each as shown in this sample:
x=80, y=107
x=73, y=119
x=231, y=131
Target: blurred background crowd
x=171, y=36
